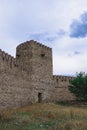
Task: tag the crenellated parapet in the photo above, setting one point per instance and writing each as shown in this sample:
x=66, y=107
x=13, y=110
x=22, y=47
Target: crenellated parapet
x=27, y=44
x=7, y=59
x=60, y=78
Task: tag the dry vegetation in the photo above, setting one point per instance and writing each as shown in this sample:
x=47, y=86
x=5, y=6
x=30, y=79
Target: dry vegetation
x=44, y=117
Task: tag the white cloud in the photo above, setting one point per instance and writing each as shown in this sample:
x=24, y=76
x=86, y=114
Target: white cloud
x=20, y=19
x=65, y=60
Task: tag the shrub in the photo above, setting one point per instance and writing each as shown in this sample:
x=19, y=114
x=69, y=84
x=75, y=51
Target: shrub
x=78, y=86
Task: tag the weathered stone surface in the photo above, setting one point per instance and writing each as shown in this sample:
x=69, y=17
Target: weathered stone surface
x=28, y=78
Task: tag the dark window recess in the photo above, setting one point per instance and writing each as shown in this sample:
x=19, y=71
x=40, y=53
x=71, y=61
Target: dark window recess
x=3, y=58
x=42, y=55
x=18, y=55
x=39, y=97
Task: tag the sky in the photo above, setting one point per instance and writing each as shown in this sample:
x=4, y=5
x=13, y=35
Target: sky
x=59, y=24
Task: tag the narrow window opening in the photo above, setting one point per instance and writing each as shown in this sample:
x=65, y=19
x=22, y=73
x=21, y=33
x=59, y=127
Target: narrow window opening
x=39, y=97
x=43, y=55
x=3, y=58
x=18, y=55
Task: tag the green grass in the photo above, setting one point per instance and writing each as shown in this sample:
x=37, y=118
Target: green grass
x=44, y=117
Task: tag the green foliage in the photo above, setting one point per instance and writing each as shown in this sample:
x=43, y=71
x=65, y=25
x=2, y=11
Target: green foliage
x=78, y=86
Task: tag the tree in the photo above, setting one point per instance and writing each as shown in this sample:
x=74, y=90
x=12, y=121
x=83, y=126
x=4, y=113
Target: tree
x=78, y=86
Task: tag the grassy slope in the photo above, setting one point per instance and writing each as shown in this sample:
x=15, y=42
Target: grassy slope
x=44, y=117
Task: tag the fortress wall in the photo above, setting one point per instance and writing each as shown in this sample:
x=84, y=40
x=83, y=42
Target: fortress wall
x=15, y=86
x=29, y=75
x=44, y=88
x=60, y=78
x=7, y=59
x=15, y=91
x=61, y=88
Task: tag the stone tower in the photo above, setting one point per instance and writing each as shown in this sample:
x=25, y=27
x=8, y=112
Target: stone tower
x=35, y=59
x=28, y=78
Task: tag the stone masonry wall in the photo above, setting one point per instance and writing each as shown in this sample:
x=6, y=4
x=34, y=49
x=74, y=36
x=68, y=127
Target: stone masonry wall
x=15, y=85
x=36, y=60
x=60, y=88
x=28, y=78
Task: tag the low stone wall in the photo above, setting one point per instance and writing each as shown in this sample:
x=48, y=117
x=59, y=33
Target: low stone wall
x=60, y=88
